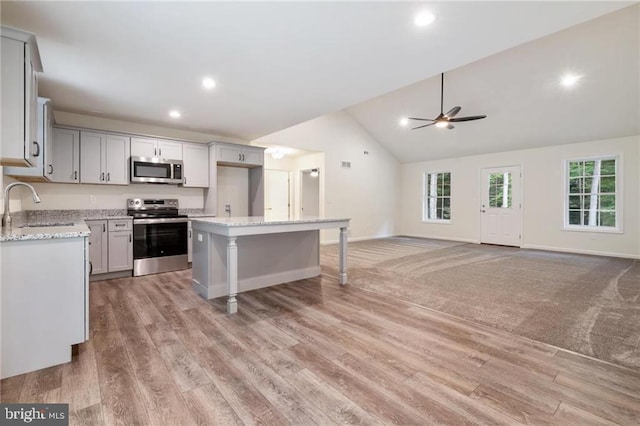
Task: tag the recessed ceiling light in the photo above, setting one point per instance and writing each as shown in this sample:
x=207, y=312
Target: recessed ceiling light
x=570, y=80
x=404, y=121
x=174, y=113
x=424, y=18
x=208, y=83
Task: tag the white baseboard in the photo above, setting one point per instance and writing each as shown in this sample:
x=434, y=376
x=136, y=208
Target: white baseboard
x=377, y=237
x=524, y=246
x=254, y=283
x=580, y=251
x=432, y=237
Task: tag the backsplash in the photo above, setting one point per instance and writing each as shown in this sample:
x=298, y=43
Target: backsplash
x=59, y=196
x=48, y=215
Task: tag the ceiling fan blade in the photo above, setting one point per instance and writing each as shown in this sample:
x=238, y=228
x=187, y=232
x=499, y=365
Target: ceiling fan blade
x=420, y=119
x=453, y=111
x=426, y=125
x=469, y=118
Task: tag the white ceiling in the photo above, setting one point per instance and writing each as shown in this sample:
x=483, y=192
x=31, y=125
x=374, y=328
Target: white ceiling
x=278, y=64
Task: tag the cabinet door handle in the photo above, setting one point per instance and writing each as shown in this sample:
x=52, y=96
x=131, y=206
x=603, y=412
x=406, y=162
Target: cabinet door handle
x=101, y=176
x=189, y=233
x=90, y=267
x=104, y=227
x=184, y=181
x=239, y=157
x=108, y=176
x=50, y=169
x=159, y=152
x=75, y=174
x=129, y=237
x=37, y=154
x=155, y=152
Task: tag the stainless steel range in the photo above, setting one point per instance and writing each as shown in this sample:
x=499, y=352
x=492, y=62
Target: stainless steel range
x=159, y=236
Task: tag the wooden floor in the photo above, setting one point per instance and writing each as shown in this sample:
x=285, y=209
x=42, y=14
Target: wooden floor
x=313, y=352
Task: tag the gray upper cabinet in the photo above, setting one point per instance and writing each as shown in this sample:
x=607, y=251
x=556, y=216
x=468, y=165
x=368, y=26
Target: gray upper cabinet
x=38, y=173
x=240, y=155
x=64, y=156
x=196, y=165
x=19, y=86
x=104, y=158
x=159, y=148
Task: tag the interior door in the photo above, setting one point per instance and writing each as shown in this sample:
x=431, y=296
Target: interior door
x=310, y=193
x=501, y=209
x=276, y=195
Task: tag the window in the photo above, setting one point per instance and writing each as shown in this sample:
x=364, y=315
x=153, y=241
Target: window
x=592, y=194
x=500, y=188
x=437, y=197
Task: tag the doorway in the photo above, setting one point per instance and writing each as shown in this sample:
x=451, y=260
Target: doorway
x=310, y=193
x=276, y=195
x=501, y=208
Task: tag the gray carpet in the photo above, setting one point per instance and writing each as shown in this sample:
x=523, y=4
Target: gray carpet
x=587, y=304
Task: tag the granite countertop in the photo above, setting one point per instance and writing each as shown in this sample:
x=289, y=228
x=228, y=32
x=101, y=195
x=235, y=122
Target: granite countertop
x=198, y=215
x=260, y=220
x=73, y=220
x=192, y=213
x=21, y=230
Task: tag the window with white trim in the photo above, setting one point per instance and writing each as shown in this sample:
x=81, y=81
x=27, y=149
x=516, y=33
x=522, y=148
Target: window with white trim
x=437, y=196
x=592, y=194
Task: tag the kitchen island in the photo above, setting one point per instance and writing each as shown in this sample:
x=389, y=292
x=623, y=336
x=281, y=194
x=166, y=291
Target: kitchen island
x=237, y=254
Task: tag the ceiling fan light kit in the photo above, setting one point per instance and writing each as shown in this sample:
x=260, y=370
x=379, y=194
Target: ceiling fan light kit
x=444, y=120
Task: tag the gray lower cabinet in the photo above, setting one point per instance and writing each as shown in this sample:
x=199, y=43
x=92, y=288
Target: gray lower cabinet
x=110, y=245
x=98, y=247
x=189, y=242
x=120, y=245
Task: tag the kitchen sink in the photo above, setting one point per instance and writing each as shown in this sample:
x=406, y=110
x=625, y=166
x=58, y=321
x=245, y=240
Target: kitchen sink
x=47, y=225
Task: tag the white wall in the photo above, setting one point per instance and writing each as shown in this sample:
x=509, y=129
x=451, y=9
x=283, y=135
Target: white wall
x=233, y=189
x=15, y=198
x=367, y=192
x=543, y=197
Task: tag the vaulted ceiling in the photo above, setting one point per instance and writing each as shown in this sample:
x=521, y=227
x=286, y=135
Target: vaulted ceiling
x=278, y=64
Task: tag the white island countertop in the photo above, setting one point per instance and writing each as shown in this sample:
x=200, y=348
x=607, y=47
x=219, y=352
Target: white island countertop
x=250, y=225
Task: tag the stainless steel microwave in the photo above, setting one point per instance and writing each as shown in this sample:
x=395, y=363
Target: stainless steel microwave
x=155, y=170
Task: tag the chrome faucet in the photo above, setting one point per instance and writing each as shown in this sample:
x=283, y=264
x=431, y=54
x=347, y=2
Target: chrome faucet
x=6, y=217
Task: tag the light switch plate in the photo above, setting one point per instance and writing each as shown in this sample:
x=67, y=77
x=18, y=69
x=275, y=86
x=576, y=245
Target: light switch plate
x=200, y=237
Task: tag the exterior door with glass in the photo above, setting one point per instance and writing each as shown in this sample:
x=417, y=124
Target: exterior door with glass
x=501, y=209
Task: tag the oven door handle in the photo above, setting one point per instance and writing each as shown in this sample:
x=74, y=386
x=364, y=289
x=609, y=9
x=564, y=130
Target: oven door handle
x=160, y=220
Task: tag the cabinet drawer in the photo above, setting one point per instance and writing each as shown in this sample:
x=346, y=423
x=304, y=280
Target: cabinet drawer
x=120, y=224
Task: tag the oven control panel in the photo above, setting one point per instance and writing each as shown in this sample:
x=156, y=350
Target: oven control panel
x=139, y=203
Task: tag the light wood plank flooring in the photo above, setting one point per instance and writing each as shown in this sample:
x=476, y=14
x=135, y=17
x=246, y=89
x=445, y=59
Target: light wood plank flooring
x=313, y=352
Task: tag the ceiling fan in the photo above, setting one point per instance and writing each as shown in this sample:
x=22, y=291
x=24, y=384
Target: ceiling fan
x=445, y=120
